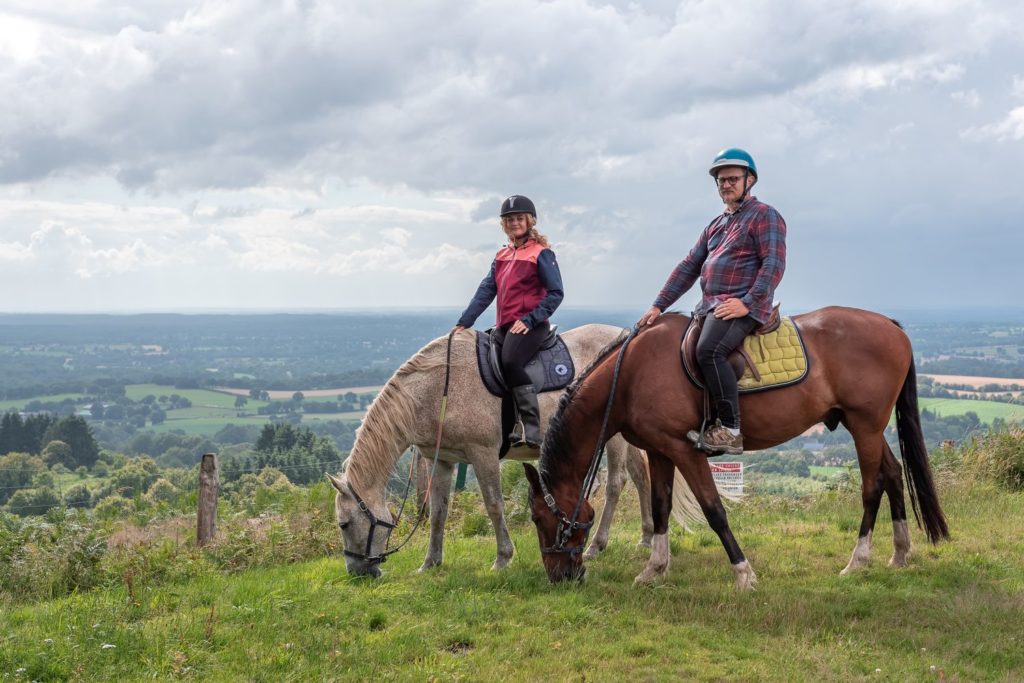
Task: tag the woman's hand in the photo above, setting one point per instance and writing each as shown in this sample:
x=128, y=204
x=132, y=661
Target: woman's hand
x=519, y=327
x=649, y=317
x=731, y=308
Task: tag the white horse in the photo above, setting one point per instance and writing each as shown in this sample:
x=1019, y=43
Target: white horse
x=405, y=414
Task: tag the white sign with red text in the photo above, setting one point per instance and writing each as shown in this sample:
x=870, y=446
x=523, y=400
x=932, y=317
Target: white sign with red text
x=728, y=476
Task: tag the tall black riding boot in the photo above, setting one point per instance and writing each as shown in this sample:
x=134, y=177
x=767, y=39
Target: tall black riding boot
x=529, y=412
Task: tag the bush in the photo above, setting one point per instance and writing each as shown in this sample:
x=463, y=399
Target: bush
x=112, y=507
x=162, y=491
x=47, y=559
x=997, y=457
x=78, y=496
x=33, y=501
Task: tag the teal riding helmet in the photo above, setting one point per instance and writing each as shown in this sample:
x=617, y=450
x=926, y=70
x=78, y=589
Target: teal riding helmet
x=733, y=156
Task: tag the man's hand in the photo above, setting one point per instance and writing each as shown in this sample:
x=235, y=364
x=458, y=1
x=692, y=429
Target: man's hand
x=731, y=308
x=649, y=317
x=519, y=327
x=458, y=328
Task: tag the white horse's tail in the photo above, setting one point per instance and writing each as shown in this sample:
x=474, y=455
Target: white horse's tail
x=685, y=507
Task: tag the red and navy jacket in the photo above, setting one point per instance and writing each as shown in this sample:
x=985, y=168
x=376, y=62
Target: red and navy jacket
x=526, y=281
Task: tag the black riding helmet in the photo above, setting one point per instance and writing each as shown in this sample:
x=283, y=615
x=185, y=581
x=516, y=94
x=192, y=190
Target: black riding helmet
x=517, y=203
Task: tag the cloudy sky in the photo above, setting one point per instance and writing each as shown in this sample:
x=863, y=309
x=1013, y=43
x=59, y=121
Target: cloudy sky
x=236, y=154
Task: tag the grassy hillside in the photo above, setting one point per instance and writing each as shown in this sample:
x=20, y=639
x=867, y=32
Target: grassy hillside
x=954, y=613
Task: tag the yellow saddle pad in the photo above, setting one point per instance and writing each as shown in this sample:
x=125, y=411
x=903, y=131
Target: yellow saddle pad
x=779, y=356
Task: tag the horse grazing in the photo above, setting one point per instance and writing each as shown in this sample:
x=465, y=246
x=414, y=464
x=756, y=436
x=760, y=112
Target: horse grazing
x=406, y=413
x=861, y=366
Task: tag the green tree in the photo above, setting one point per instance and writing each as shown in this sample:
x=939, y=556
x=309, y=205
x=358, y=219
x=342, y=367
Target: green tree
x=240, y=402
x=57, y=453
x=75, y=432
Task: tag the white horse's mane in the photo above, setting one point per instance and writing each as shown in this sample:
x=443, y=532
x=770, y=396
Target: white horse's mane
x=391, y=419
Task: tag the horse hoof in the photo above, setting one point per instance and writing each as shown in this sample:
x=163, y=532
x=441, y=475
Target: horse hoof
x=648, y=577
x=499, y=565
x=590, y=554
x=898, y=561
x=427, y=566
x=643, y=579
x=746, y=579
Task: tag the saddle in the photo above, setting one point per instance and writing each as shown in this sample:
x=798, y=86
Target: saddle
x=772, y=356
x=551, y=369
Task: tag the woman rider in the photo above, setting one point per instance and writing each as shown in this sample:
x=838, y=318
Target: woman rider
x=525, y=278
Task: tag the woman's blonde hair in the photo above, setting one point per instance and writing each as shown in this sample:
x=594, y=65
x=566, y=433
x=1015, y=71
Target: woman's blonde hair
x=534, y=234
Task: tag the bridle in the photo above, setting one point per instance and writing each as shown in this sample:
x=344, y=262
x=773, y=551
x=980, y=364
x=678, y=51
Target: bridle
x=374, y=560
x=374, y=523
x=568, y=525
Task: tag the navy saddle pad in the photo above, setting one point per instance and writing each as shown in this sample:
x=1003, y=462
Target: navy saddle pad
x=550, y=369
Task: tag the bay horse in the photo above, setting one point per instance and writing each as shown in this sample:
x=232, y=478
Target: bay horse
x=861, y=366
x=405, y=413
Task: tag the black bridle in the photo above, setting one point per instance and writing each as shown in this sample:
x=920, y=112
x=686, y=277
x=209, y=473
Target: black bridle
x=374, y=523
x=365, y=509
x=568, y=525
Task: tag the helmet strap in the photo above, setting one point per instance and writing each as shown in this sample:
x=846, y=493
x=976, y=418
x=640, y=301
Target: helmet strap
x=743, y=195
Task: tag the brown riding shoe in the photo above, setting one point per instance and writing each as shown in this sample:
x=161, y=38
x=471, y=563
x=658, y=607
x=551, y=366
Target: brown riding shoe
x=717, y=440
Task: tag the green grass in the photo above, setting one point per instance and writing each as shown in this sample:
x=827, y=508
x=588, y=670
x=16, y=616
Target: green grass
x=210, y=410
x=828, y=471
x=986, y=410
x=956, y=608
x=202, y=397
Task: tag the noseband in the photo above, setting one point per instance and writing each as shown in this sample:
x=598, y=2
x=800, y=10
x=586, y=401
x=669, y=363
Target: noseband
x=374, y=523
x=568, y=525
x=565, y=529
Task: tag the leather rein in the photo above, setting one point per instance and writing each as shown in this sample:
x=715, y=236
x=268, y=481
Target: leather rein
x=568, y=525
x=390, y=526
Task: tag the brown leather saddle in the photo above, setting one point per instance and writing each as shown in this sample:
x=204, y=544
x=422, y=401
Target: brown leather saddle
x=739, y=360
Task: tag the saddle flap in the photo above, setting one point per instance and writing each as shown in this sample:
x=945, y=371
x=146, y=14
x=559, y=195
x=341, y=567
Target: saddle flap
x=765, y=360
x=688, y=349
x=551, y=369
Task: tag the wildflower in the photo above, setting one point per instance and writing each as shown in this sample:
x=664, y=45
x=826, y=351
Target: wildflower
x=107, y=646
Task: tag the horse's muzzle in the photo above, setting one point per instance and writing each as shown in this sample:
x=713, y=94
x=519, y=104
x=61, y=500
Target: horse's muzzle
x=359, y=568
x=569, y=573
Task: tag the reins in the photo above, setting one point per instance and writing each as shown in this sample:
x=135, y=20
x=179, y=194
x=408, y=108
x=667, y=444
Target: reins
x=374, y=522
x=567, y=525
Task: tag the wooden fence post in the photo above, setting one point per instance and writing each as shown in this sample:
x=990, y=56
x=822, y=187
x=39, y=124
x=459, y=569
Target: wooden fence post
x=209, y=486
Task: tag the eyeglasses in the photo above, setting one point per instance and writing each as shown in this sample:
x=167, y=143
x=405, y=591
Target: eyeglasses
x=728, y=180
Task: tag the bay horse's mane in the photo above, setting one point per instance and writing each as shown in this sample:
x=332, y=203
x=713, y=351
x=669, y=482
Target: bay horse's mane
x=391, y=418
x=558, y=440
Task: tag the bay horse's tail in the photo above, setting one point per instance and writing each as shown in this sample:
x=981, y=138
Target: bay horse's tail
x=923, y=496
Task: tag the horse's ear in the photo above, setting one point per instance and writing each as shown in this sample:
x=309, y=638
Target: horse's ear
x=336, y=482
x=532, y=476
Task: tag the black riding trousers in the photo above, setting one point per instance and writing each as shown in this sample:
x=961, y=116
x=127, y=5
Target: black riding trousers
x=719, y=338
x=517, y=350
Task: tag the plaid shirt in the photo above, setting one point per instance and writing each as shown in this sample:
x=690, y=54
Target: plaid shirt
x=739, y=255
